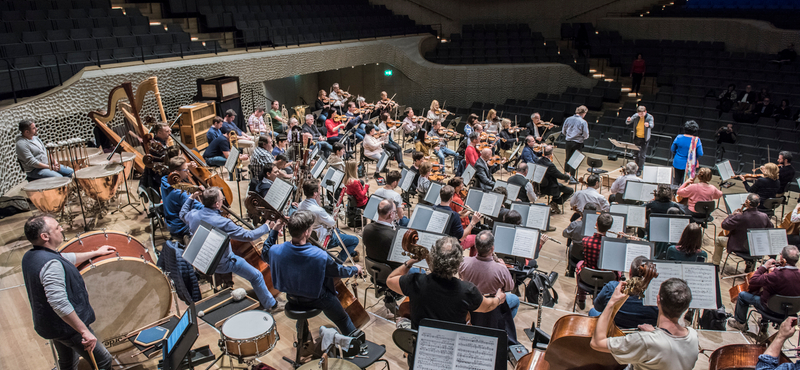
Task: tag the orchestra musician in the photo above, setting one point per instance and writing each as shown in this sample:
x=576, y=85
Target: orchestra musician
x=373, y=147
x=306, y=272
x=441, y=150
x=643, y=124
x=409, y=126
x=528, y=153
x=335, y=159
x=786, y=174
x=574, y=235
x=417, y=158
x=256, y=122
x=216, y=154
x=323, y=221
x=742, y=219
x=575, y=131
x=536, y=122
x=492, y=122
x=458, y=188
x=669, y=345
x=772, y=278
x=701, y=191
x=483, y=172
x=422, y=145
x=388, y=192
x=767, y=186
x=388, y=142
x=356, y=120
x=436, y=113
x=633, y=312
x=322, y=102
x=384, y=105
x=58, y=297
x=472, y=120
x=245, y=140
x=212, y=200
x=527, y=194
x=310, y=128
x=589, y=195
x=454, y=227
x=471, y=153
x=215, y=130
x=173, y=199
x=333, y=129
x=771, y=358
x=32, y=154
x=269, y=172
x=507, y=140
x=618, y=187
x=281, y=143
x=591, y=251
x=462, y=146
x=423, y=182
x=690, y=245
x=263, y=153
x=550, y=185
x=337, y=96
x=488, y=272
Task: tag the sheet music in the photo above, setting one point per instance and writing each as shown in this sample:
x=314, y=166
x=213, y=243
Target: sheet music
x=538, y=172
x=657, y=174
x=777, y=240
x=396, y=251
x=676, y=226
x=633, y=250
x=725, y=170
x=701, y=278
x=488, y=202
x=759, y=243
x=211, y=246
x=525, y=242
x=513, y=192
x=636, y=214
x=434, y=189
x=230, y=162
x=406, y=179
x=440, y=349
x=277, y=193
x=639, y=191
x=537, y=217
x=576, y=160
x=619, y=224
x=382, y=160
x=336, y=177
x=469, y=172
x=735, y=201
x=438, y=222
x=318, y=167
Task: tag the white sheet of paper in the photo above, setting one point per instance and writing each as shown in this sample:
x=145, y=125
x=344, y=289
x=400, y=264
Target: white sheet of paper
x=637, y=216
x=633, y=250
x=474, y=352
x=513, y=192
x=407, y=179
x=278, y=193
x=469, y=172
x=735, y=201
x=437, y=222
x=318, y=167
x=702, y=281
x=205, y=256
x=435, y=349
x=676, y=226
x=664, y=175
x=576, y=160
x=337, y=179
x=396, y=251
x=725, y=170
x=537, y=217
x=777, y=240
x=647, y=192
x=488, y=202
x=619, y=224
x=665, y=270
x=759, y=242
x=538, y=173
x=524, y=243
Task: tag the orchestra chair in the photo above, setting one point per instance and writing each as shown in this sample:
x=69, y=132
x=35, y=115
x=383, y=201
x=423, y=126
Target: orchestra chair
x=378, y=273
x=703, y=216
x=594, y=168
x=771, y=205
x=743, y=258
x=364, y=160
x=301, y=315
x=592, y=281
x=353, y=211
x=574, y=255
x=405, y=339
x=374, y=353
x=779, y=307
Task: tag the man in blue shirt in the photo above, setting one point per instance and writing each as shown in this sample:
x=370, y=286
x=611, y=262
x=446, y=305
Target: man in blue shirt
x=174, y=199
x=306, y=272
x=575, y=131
x=217, y=151
x=245, y=141
x=770, y=360
x=215, y=130
x=229, y=262
x=528, y=156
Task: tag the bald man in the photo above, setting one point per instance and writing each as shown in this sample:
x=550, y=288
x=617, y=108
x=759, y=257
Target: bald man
x=483, y=172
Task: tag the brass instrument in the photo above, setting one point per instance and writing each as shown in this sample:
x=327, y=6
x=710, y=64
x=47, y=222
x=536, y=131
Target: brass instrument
x=300, y=112
x=285, y=114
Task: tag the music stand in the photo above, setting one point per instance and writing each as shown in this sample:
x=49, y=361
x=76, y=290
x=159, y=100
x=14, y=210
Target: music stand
x=625, y=146
x=118, y=149
x=484, y=344
x=551, y=139
x=206, y=247
x=178, y=345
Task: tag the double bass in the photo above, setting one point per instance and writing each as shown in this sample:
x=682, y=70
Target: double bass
x=569, y=346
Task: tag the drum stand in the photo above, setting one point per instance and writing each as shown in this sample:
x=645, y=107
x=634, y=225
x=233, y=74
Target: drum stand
x=127, y=188
x=80, y=202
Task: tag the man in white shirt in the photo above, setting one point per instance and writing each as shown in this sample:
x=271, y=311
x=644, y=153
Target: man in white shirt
x=256, y=122
x=388, y=192
x=589, y=195
x=338, y=99
x=670, y=346
x=618, y=187
x=324, y=221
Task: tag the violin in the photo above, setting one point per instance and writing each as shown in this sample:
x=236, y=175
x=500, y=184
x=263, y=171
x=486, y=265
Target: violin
x=447, y=132
x=496, y=160
x=379, y=134
x=392, y=123
x=418, y=119
x=432, y=140
x=437, y=176
x=751, y=176
x=341, y=118
x=441, y=112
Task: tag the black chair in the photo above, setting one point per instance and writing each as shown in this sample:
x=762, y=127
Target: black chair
x=744, y=258
x=378, y=273
x=771, y=205
x=301, y=315
x=702, y=214
x=405, y=339
x=592, y=281
x=779, y=307
x=574, y=255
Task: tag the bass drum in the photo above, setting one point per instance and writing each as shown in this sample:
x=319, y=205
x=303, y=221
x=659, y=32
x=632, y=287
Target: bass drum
x=126, y=290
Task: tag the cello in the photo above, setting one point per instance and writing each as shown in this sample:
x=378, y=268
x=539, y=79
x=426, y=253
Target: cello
x=569, y=346
x=739, y=357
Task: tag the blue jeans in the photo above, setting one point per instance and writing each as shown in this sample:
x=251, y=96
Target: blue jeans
x=403, y=221
x=330, y=306
x=593, y=312
x=442, y=152
x=350, y=242
x=41, y=173
x=743, y=304
x=68, y=348
x=513, y=303
x=325, y=148
x=239, y=266
x=216, y=161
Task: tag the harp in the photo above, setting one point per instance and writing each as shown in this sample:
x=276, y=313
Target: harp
x=129, y=111
x=150, y=84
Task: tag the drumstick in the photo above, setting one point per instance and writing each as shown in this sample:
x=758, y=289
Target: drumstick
x=214, y=307
x=91, y=355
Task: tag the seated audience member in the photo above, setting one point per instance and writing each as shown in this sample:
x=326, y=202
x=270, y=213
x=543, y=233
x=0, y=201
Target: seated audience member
x=767, y=187
x=700, y=192
x=670, y=345
x=784, y=111
x=591, y=251
x=746, y=100
x=787, y=55
x=764, y=109
x=727, y=99
x=618, y=187
x=770, y=279
x=726, y=134
x=690, y=245
x=589, y=195
x=747, y=217
x=488, y=272
x=633, y=312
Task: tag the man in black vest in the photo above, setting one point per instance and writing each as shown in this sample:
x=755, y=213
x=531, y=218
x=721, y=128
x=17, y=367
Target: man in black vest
x=58, y=297
x=526, y=193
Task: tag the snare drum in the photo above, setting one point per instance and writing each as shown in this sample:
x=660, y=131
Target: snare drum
x=127, y=160
x=50, y=194
x=126, y=289
x=100, y=182
x=250, y=334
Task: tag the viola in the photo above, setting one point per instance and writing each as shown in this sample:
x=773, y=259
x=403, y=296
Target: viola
x=341, y=118
x=496, y=160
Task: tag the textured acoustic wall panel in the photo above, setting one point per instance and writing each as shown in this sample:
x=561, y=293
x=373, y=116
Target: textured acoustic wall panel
x=63, y=114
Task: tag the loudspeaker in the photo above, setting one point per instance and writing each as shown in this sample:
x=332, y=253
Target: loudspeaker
x=236, y=105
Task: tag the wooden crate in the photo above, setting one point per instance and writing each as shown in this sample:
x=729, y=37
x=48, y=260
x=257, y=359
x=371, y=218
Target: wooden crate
x=195, y=122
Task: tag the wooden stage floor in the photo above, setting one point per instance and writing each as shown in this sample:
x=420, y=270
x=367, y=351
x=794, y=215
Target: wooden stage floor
x=24, y=349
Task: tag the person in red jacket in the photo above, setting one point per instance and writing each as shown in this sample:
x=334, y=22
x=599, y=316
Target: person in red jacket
x=472, y=154
x=637, y=73
x=356, y=189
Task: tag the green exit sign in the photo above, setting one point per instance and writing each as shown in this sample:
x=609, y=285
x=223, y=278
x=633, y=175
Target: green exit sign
x=387, y=72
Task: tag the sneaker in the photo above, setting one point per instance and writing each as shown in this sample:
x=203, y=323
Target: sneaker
x=737, y=325
x=555, y=208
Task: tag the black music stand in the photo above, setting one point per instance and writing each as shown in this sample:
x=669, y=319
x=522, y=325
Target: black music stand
x=118, y=149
